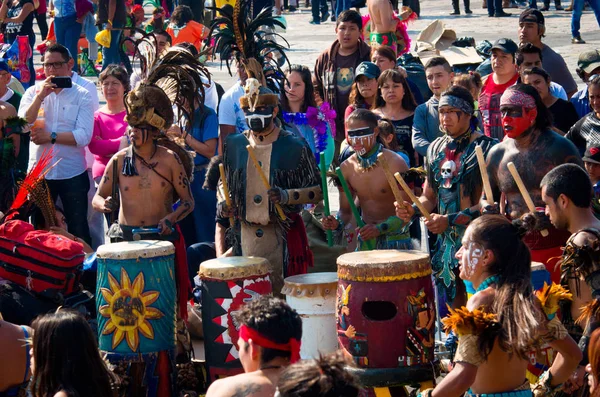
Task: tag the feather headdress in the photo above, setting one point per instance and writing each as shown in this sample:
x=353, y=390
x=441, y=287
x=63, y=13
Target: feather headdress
x=251, y=42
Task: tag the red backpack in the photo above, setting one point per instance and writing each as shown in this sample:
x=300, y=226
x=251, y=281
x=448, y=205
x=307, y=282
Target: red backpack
x=40, y=261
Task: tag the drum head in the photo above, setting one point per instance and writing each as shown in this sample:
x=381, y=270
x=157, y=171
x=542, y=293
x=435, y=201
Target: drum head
x=383, y=265
x=234, y=267
x=311, y=285
x=135, y=249
x=537, y=266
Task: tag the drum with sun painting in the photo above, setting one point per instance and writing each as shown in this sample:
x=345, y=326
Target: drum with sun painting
x=136, y=304
x=386, y=316
x=227, y=284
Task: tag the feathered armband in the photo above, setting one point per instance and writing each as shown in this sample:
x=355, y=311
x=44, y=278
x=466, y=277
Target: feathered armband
x=549, y=297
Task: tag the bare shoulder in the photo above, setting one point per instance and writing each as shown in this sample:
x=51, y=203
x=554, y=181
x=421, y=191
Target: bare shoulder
x=7, y=110
x=243, y=385
x=61, y=394
x=585, y=238
x=482, y=299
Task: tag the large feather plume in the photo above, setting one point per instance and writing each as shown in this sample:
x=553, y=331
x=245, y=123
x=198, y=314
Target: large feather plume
x=463, y=321
x=550, y=296
x=240, y=38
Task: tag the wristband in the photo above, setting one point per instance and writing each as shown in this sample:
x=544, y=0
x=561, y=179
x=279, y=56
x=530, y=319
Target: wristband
x=462, y=218
x=391, y=224
x=417, y=211
x=110, y=21
x=340, y=221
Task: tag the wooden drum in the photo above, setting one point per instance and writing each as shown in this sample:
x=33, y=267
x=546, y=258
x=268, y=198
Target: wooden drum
x=313, y=296
x=386, y=315
x=227, y=284
x=137, y=313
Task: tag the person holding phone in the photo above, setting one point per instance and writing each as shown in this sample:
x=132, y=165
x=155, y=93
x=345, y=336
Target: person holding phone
x=67, y=130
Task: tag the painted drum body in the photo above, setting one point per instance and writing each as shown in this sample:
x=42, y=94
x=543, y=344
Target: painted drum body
x=313, y=296
x=539, y=276
x=136, y=301
x=227, y=284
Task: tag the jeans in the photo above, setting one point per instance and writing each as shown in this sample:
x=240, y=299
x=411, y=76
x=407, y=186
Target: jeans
x=110, y=54
x=42, y=24
x=196, y=254
x=205, y=208
x=73, y=193
x=494, y=7
x=341, y=5
x=67, y=31
x=316, y=6
x=578, y=6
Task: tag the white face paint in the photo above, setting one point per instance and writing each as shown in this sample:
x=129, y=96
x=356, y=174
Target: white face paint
x=362, y=143
x=474, y=257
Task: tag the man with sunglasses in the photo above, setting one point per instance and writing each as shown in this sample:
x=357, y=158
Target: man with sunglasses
x=535, y=149
x=65, y=126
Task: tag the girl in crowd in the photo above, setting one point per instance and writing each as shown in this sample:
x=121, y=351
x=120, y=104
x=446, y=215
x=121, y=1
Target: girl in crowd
x=157, y=23
x=182, y=27
x=364, y=88
x=584, y=134
x=387, y=136
x=66, y=361
x=471, y=81
x=564, y=115
x=296, y=100
x=396, y=103
x=109, y=120
x=385, y=58
x=492, y=357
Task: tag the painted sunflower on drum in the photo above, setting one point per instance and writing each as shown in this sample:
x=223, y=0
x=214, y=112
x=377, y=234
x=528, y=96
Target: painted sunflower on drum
x=128, y=310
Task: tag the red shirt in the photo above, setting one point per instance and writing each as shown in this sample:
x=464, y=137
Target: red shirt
x=489, y=106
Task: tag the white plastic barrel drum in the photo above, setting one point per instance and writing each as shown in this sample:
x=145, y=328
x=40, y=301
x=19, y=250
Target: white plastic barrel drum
x=313, y=297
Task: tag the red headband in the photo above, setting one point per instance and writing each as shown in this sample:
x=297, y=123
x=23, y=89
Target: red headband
x=292, y=346
x=137, y=8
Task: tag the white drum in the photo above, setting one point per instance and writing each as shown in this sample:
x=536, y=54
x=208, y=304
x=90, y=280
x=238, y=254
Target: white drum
x=313, y=297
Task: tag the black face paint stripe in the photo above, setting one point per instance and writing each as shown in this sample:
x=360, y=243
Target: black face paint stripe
x=360, y=131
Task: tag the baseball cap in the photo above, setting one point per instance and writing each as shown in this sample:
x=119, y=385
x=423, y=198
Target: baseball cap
x=4, y=65
x=368, y=69
x=592, y=155
x=588, y=61
x=506, y=45
x=532, y=15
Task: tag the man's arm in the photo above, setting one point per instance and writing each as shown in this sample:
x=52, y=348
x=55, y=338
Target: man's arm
x=112, y=9
x=457, y=382
x=183, y=189
x=210, y=134
x=102, y=202
x=419, y=138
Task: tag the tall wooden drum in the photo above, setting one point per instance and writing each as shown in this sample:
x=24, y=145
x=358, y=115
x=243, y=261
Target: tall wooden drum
x=313, y=296
x=227, y=284
x=136, y=313
x=386, y=316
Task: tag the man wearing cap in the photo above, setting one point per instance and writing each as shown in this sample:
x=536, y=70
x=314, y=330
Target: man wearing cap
x=531, y=30
x=578, y=6
x=588, y=64
x=269, y=340
x=534, y=149
x=503, y=76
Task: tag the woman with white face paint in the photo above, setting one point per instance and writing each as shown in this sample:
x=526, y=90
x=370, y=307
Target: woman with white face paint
x=492, y=356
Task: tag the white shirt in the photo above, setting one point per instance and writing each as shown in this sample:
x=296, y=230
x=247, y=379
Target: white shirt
x=230, y=111
x=7, y=95
x=69, y=111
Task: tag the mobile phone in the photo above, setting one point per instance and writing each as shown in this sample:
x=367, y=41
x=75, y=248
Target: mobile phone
x=62, y=82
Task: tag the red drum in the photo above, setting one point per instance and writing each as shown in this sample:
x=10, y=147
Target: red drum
x=386, y=315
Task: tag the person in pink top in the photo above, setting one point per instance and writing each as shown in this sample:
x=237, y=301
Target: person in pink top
x=109, y=120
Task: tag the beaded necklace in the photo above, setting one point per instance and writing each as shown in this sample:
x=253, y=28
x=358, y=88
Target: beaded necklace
x=487, y=282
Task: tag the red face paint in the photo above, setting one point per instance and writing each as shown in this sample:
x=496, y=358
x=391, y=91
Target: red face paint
x=515, y=121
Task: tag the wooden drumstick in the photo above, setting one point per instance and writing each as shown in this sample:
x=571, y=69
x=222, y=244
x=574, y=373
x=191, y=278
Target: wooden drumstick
x=264, y=179
x=413, y=198
x=390, y=178
x=528, y=201
x=226, y=192
x=487, y=187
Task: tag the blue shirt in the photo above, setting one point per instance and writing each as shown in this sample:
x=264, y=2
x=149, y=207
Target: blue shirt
x=64, y=8
x=581, y=102
x=204, y=128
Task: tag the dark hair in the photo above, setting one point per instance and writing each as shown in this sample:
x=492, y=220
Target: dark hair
x=514, y=302
x=538, y=71
x=438, y=61
x=37, y=217
x=157, y=24
x=570, y=180
x=62, y=50
x=165, y=34
x=273, y=319
x=309, y=91
x=356, y=99
x=543, y=120
x=181, y=15
x=350, y=16
x=364, y=115
x=119, y=73
x=408, y=100
x=323, y=377
x=67, y=358
x=386, y=128
x=464, y=94
x=211, y=181
x=594, y=359
x=471, y=80
x=385, y=51
x=526, y=48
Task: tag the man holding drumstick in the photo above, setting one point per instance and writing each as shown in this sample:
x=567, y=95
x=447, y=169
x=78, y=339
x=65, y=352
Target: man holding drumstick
x=534, y=149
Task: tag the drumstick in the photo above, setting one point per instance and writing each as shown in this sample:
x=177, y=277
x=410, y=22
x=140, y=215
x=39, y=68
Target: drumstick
x=413, y=198
x=323, y=168
x=487, y=188
x=524, y=192
x=390, y=178
x=226, y=192
x=264, y=179
x=359, y=222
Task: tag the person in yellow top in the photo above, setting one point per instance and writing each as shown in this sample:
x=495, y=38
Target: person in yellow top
x=183, y=29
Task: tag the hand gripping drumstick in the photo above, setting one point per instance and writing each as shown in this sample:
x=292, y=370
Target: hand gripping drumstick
x=413, y=198
x=390, y=179
x=524, y=192
x=323, y=168
x=226, y=192
x=264, y=179
x=487, y=188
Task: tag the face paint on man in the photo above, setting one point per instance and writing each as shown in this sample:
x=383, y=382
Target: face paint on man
x=138, y=136
x=516, y=120
x=361, y=139
x=260, y=119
